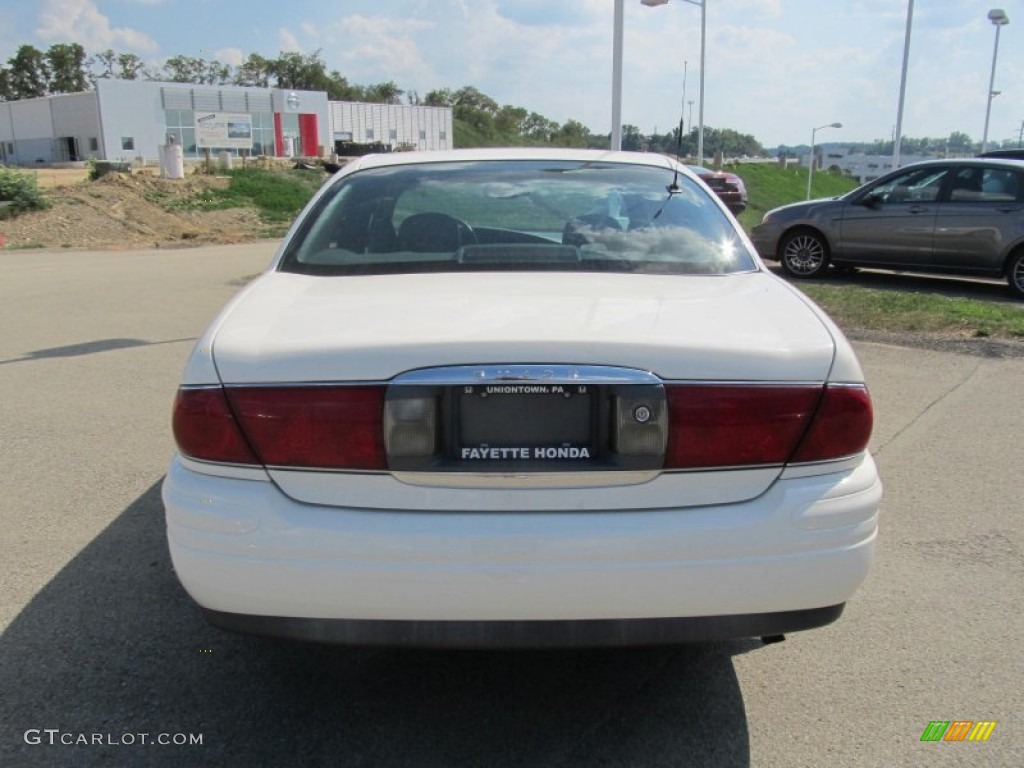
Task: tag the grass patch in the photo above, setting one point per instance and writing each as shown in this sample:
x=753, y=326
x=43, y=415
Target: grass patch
x=278, y=195
x=853, y=307
x=769, y=185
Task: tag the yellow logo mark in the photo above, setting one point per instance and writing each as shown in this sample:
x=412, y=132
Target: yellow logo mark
x=982, y=730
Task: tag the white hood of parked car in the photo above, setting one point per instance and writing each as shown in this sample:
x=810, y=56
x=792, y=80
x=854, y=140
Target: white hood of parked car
x=299, y=328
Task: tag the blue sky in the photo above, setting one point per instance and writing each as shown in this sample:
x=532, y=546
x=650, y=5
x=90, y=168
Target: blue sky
x=775, y=68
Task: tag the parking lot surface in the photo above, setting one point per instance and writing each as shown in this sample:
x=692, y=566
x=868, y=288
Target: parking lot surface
x=99, y=642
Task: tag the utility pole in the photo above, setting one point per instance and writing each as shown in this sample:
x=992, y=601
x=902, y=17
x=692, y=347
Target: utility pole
x=897, y=139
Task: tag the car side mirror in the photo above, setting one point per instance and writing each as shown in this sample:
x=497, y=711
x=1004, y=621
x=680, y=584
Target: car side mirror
x=871, y=200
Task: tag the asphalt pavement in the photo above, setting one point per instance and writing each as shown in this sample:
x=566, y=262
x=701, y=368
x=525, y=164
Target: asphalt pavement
x=100, y=644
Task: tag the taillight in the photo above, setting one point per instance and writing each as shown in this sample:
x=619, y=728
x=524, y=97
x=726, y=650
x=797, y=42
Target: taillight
x=840, y=427
x=326, y=427
x=204, y=428
x=735, y=425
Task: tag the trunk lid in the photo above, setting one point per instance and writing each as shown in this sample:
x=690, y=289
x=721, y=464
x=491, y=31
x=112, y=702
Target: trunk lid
x=299, y=328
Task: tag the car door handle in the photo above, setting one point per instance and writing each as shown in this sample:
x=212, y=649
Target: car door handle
x=1008, y=208
x=919, y=209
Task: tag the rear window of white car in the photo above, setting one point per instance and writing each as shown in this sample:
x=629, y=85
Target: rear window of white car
x=516, y=215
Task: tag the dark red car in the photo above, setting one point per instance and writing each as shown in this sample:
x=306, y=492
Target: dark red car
x=727, y=186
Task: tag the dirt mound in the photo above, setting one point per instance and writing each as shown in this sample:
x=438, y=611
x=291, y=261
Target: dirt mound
x=131, y=211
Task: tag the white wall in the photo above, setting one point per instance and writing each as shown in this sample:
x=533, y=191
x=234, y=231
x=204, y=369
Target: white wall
x=406, y=120
x=130, y=109
x=121, y=109
x=32, y=125
x=77, y=115
x=135, y=108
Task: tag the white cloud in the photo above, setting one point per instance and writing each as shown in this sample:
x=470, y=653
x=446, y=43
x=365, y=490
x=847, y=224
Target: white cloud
x=232, y=56
x=371, y=48
x=287, y=40
x=81, y=21
x=769, y=8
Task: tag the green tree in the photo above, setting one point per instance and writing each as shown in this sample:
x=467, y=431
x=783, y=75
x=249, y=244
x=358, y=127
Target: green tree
x=632, y=140
x=28, y=73
x=215, y=73
x=511, y=120
x=571, y=134
x=539, y=128
x=102, y=64
x=384, y=93
x=131, y=67
x=255, y=71
x=960, y=143
x=340, y=89
x=5, y=84
x=468, y=99
x=66, y=64
x=439, y=97
x=184, y=69
x=304, y=72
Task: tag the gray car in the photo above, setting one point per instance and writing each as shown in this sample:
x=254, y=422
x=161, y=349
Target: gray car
x=963, y=217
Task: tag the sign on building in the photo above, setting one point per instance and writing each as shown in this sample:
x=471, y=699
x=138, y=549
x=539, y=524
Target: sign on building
x=224, y=130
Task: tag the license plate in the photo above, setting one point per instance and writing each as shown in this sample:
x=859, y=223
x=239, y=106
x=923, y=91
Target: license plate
x=525, y=422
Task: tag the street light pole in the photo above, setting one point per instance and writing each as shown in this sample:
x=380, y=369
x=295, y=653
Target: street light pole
x=616, y=143
x=998, y=17
x=703, y=47
x=903, y=88
x=810, y=168
x=700, y=110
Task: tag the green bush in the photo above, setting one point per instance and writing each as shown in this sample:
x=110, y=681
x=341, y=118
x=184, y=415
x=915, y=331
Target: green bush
x=19, y=189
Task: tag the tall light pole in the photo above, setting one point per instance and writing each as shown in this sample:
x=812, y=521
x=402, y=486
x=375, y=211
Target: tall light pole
x=897, y=140
x=998, y=17
x=703, y=47
x=617, y=77
x=810, y=167
x=616, y=142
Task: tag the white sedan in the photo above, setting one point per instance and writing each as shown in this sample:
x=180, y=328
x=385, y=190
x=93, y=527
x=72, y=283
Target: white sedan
x=520, y=398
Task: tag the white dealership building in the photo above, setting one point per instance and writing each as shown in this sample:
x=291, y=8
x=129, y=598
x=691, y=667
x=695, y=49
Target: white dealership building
x=131, y=119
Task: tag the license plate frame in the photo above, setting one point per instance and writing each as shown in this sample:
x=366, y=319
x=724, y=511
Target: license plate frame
x=524, y=423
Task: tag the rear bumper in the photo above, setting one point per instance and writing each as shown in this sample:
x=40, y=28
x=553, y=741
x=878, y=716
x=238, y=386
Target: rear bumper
x=525, y=634
x=259, y=562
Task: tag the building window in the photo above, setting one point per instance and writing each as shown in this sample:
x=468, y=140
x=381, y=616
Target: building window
x=94, y=145
x=393, y=134
x=443, y=136
x=10, y=147
x=423, y=134
x=128, y=143
x=369, y=134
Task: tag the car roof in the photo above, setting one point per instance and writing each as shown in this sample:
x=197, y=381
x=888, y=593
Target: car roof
x=1008, y=154
x=988, y=162
x=652, y=159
